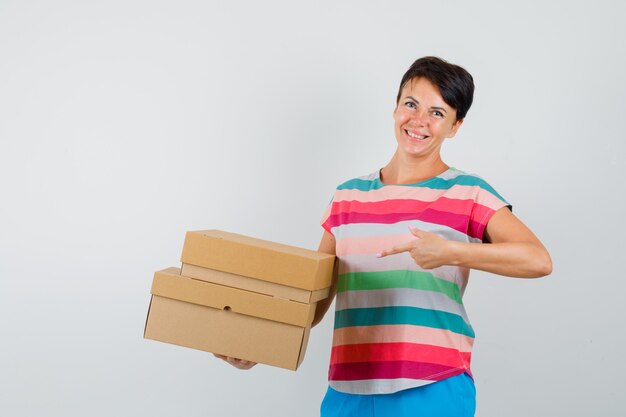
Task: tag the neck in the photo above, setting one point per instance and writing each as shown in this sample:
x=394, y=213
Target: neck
x=403, y=169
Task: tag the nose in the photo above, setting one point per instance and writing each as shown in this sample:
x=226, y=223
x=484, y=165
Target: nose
x=420, y=116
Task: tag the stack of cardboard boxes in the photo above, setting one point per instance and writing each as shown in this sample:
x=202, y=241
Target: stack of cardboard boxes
x=241, y=297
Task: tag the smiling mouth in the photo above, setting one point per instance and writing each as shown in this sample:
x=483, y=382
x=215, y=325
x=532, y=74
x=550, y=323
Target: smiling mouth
x=414, y=136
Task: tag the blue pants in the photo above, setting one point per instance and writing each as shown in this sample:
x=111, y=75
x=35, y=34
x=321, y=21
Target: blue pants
x=450, y=397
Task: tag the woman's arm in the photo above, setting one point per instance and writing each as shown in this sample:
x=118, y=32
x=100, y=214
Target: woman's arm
x=513, y=249
x=327, y=245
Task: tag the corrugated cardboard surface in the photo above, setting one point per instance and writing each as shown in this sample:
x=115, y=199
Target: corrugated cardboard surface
x=169, y=283
x=226, y=333
x=260, y=259
x=253, y=284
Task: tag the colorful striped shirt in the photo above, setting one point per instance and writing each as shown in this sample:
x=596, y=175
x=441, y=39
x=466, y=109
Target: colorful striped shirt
x=398, y=326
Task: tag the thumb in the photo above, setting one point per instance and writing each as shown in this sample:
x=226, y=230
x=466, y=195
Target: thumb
x=417, y=232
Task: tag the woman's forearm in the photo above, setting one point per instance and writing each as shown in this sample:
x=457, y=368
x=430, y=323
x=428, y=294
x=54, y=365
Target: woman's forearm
x=321, y=308
x=513, y=259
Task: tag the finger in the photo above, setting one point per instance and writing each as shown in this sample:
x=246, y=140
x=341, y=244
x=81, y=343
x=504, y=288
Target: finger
x=394, y=250
x=237, y=362
x=247, y=364
x=244, y=364
x=417, y=232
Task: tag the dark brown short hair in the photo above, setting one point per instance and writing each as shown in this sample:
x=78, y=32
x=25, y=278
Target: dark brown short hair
x=455, y=84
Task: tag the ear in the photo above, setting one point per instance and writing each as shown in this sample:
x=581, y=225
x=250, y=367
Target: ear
x=455, y=128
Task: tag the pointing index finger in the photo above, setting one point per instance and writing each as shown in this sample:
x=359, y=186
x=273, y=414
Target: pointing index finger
x=394, y=250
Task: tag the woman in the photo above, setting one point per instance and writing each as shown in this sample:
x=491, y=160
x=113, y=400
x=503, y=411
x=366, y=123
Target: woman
x=406, y=237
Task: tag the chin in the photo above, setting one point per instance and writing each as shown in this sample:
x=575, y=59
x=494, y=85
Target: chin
x=412, y=152
x=411, y=149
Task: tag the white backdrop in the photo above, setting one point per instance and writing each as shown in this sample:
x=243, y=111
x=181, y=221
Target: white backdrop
x=124, y=124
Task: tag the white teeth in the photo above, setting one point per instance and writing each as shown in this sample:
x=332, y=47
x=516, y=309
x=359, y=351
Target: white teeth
x=415, y=136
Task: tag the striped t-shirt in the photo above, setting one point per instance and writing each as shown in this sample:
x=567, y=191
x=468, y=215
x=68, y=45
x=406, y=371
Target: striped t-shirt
x=398, y=326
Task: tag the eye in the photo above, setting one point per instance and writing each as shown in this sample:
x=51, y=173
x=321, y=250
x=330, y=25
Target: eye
x=410, y=104
x=437, y=113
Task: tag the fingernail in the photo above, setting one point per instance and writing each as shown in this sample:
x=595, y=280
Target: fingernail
x=379, y=255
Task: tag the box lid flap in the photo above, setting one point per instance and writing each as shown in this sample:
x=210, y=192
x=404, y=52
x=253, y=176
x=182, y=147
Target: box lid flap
x=261, y=259
x=169, y=283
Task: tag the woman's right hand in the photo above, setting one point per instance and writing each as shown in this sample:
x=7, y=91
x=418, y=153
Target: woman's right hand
x=237, y=363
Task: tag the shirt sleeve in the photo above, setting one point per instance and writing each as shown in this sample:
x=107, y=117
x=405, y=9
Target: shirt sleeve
x=486, y=202
x=326, y=221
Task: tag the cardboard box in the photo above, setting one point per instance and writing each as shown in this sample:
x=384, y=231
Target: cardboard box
x=255, y=285
x=260, y=259
x=228, y=321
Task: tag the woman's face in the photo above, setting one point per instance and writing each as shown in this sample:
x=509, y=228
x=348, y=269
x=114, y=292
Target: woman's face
x=423, y=120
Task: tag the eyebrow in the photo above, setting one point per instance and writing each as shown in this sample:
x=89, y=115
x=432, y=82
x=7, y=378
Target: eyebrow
x=432, y=108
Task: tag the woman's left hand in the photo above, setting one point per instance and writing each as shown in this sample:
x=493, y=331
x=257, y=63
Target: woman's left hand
x=428, y=250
